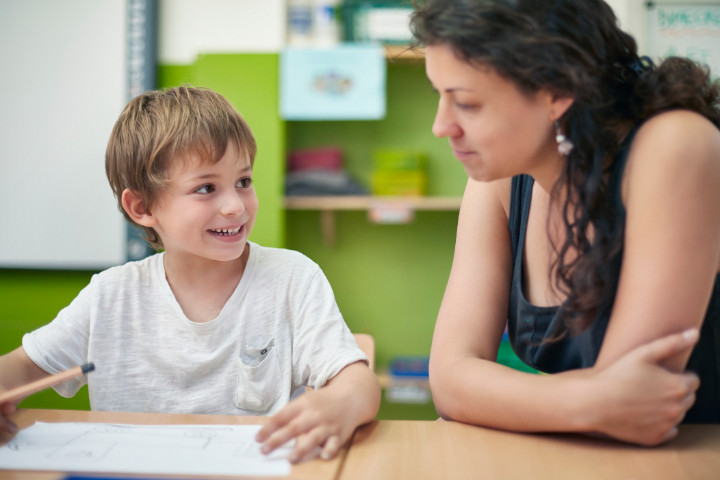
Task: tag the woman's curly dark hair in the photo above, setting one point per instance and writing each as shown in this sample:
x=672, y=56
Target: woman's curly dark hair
x=575, y=48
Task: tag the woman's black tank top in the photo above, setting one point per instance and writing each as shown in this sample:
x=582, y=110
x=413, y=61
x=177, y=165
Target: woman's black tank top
x=530, y=326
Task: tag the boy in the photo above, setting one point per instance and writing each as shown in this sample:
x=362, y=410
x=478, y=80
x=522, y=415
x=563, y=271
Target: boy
x=215, y=323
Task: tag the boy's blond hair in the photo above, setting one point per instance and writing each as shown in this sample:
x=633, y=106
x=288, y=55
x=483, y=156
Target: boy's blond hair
x=159, y=129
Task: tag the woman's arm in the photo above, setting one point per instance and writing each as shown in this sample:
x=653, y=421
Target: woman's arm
x=624, y=401
x=671, y=190
x=467, y=383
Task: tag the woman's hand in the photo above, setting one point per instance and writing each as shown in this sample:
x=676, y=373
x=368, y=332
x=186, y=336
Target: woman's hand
x=637, y=399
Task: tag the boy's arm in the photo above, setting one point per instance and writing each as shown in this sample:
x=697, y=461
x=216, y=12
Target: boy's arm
x=325, y=418
x=16, y=369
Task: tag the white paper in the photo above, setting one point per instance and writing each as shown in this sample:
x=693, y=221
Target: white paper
x=143, y=449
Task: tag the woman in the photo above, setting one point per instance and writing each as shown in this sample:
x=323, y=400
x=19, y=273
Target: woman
x=590, y=222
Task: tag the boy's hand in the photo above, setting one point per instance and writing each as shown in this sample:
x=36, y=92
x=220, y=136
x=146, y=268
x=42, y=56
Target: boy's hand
x=322, y=421
x=16, y=369
x=6, y=410
x=316, y=420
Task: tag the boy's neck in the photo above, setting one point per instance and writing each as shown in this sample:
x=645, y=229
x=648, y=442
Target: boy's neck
x=202, y=288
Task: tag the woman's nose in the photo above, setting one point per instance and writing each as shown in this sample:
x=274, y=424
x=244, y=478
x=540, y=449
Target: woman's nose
x=444, y=125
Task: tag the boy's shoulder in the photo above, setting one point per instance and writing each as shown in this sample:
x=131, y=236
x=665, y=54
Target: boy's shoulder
x=136, y=271
x=280, y=258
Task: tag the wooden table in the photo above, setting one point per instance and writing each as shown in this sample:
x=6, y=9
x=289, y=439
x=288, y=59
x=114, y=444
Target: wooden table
x=312, y=470
x=416, y=450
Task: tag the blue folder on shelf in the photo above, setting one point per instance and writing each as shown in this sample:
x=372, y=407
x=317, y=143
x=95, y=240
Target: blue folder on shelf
x=340, y=83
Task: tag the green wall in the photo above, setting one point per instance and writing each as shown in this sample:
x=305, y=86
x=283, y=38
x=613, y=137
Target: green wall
x=28, y=300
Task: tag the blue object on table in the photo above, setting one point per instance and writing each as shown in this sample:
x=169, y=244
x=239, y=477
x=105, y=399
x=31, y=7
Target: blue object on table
x=409, y=366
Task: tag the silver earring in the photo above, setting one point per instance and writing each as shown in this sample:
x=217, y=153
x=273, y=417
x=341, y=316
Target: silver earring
x=565, y=146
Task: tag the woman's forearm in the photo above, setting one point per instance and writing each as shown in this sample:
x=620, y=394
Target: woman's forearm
x=635, y=399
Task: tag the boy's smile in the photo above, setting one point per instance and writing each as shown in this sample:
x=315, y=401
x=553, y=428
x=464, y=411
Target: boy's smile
x=226, y=231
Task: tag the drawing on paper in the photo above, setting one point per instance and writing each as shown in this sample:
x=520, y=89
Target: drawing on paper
x=169, y=449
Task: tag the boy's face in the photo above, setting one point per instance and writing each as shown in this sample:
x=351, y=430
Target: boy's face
x=208, y=210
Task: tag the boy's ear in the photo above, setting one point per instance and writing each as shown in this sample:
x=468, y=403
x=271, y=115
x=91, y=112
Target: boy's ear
x=134, y=206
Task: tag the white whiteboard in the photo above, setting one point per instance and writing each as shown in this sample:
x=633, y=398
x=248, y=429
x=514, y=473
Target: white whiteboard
x=62, y=86
x=686, y=29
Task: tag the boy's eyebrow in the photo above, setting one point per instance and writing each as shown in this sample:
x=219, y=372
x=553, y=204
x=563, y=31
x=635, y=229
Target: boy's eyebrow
x=247, y=168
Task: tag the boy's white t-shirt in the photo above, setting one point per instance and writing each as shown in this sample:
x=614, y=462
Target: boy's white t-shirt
x=280, y=330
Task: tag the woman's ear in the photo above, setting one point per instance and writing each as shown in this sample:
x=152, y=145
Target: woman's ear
x=559, y=105
x=134, y=206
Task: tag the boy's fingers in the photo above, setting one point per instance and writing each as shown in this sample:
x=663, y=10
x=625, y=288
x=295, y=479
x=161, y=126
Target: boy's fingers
x=308, y=446
x=7, y=425
x=311, y=454
x=277, y=439
x=331, y=448
x=670, y=345
x=276, y=422
x=8, y=408
x=280, y=437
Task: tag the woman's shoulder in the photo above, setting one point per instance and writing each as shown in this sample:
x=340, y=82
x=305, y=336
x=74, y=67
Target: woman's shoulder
x=676, y=132
x=672, y=146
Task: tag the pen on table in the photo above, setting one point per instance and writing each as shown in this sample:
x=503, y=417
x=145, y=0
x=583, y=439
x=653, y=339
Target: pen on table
x=32, y=387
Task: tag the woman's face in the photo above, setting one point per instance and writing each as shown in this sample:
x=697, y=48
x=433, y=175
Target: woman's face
x=494, y=129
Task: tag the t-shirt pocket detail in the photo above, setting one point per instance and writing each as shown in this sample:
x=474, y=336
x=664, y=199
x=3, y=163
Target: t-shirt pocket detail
x=258, y=377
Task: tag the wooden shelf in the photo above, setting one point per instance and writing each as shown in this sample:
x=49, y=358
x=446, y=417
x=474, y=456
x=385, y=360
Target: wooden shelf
x=403, y=52
x=367, y=202
x=381, y=209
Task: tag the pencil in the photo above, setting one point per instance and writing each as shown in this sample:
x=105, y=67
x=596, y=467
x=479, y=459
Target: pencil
x=33, y=387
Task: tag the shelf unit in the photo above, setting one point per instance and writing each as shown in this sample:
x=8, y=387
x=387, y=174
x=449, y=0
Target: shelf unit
x=366, y=202
x=403, y=52
x=383, y=209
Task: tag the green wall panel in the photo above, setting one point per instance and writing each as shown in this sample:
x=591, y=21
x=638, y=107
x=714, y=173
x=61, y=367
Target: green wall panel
x=174, y=75
x=28, y=300
x=388, y=279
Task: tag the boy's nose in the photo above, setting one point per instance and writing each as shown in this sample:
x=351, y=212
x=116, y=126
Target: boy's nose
x=232, y=204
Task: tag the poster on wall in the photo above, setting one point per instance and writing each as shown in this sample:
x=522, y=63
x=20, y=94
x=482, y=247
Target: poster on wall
x=686, y=29
x=341, y=83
